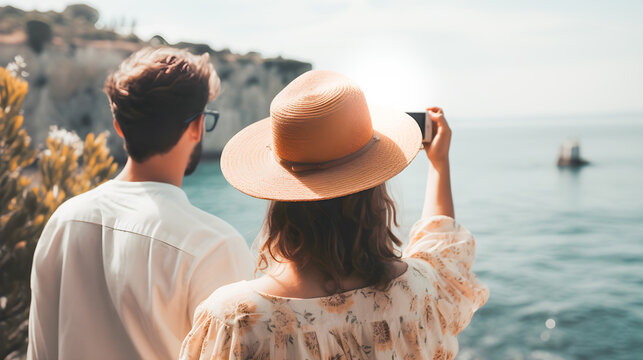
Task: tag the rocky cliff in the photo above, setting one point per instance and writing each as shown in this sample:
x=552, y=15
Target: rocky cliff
x=68, y=65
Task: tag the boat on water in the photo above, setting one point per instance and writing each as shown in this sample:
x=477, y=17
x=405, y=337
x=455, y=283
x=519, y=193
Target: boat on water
x=570, y=155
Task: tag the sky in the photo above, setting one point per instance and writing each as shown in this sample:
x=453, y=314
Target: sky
x=476, y=59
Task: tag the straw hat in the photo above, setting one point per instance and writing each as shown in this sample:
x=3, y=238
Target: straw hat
x=321, y=141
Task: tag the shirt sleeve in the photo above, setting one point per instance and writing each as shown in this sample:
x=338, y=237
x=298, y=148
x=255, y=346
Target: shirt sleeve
x=227, y=262
x=45, y=292
x=450, y=250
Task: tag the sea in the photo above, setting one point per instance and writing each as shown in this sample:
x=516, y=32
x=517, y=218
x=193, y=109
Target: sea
x=561, y=250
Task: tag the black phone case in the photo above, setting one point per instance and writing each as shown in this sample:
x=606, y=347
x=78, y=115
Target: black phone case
x=420, y=118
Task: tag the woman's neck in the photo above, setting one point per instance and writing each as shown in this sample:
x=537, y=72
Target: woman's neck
x=287, y=280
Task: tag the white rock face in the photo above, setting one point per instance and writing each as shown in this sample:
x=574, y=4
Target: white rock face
x=66, y=82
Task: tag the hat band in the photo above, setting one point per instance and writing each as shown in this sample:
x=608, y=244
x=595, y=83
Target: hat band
x=298, y=167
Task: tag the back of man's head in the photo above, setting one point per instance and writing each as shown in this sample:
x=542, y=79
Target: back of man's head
x=153, y=92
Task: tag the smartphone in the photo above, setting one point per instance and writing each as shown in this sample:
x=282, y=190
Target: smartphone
x=426, y=125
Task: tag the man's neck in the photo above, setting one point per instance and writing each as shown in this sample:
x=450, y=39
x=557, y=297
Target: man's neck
x=156, y=168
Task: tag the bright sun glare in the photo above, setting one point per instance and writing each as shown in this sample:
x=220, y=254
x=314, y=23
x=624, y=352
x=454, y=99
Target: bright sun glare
x=409, y=87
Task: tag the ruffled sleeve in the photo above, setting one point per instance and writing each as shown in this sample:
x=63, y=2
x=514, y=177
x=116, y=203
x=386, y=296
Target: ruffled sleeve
x=210, y=338
x=224, y=326
x=450, y=250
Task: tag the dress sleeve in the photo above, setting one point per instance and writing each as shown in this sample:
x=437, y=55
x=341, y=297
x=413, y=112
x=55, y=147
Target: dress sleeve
x=210, y=338
x=450, y=250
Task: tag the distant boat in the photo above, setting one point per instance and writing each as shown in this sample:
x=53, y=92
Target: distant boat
x=570, y=155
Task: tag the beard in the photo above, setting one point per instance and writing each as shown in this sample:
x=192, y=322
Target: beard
x=195, y=157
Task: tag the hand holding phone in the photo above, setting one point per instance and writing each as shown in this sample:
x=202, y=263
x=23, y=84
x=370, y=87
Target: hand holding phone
x=438, y=149
x=426, y=125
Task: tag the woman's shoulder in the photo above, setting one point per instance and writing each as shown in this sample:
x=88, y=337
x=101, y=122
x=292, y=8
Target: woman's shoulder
x=419, y=271
x=231, y=311
x=229, y=302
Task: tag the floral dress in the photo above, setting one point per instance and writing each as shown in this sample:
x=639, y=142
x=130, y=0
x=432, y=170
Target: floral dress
x=417, y=317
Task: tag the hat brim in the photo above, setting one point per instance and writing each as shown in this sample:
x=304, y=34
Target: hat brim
x=248, y=164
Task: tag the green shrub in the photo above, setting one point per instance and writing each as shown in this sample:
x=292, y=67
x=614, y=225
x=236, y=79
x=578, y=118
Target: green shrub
x=66, y=167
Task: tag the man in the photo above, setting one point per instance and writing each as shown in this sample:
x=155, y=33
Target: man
x=119, y=270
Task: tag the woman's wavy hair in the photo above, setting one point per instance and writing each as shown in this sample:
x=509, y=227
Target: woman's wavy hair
x=339, y=237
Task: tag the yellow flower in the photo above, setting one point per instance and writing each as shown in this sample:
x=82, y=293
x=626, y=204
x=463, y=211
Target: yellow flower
x=337, y=303
x=443, y=322
x=381, y=335
x=410, y=335
x=250, y=351
x=242, y=314
x=284, y=319
x=312, y=345
x=428, y=310
x=283, y=322
x=442, y=354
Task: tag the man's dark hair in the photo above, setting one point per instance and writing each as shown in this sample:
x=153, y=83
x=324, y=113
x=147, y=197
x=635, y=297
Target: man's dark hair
x=153, y=91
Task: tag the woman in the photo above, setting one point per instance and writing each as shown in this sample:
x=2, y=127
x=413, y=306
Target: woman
x=336, y=286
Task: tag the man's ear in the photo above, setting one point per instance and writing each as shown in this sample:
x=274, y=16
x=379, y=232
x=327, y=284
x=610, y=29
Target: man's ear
x=118, y=129
x=196, y=128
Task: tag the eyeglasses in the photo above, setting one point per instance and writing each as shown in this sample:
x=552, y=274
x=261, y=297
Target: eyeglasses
x=210, y=120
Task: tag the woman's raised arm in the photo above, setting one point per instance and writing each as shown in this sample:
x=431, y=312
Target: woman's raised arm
x=438, y=199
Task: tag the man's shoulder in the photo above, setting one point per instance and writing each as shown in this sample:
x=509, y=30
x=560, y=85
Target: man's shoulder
x=211, y=221
x=208, y=231
x=82, y=207
x=160, y=213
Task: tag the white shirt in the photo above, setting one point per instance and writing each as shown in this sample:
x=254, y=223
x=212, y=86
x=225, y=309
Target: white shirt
x=118, y=272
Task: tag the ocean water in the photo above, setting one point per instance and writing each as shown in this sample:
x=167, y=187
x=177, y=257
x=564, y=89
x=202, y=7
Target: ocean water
x=560, y=250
